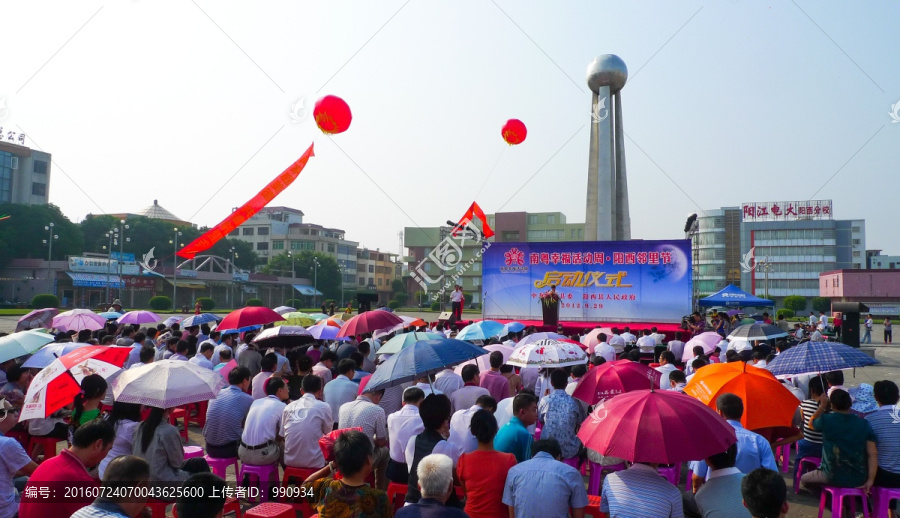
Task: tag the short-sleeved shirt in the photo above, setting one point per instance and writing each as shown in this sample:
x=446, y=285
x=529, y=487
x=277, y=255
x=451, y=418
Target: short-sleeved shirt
x=514, y=438
x=12, y=459
x=305, y=421
x=561, y=416
x=332, y=498
x=225, y=416
x=367, y=415
x=844, y=438
x=484, y=474
x=543, y=486
x=639, y=492
x=886, y=425
x=496, y=384
x=264, y=421
x=63, y=468
x=807, y=408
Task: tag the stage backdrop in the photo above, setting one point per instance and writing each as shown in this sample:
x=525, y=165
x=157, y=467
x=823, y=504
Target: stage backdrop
x=602, y=281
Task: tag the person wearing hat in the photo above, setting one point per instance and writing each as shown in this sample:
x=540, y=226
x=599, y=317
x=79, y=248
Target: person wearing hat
x=15, y=460
x=116, y=306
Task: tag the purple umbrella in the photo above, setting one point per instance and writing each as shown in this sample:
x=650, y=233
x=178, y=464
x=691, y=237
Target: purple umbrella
x=323, y=332
x=733, y=312
x=78, y=319
x=37, y=318
x=139, y=317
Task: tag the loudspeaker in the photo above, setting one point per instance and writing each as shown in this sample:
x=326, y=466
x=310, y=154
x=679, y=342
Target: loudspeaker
x=446, y=315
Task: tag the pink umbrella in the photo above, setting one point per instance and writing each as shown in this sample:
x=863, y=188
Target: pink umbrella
x=484, y=362
x=658, y=426
x=708, y=340
x=369, y=322
x=614, y=378
x=37, y=319
x=592, y=339
x=78, y=319
x=139, y=317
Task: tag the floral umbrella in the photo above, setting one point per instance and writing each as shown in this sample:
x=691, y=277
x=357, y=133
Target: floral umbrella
x=547, y=353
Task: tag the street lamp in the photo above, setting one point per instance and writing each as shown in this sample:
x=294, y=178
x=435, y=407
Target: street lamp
x=113, y=236
x=233, y=256
x=49, y=242
x=175, y=268
x=124, y=227
x=316, y=281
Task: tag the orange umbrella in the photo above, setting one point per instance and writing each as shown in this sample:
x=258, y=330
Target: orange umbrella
x=766, y=402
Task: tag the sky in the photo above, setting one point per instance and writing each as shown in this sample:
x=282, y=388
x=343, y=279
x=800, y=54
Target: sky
x=195, y=103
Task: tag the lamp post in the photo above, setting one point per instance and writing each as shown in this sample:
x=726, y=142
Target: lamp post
x=231, y=290
x=316, y=281
x=175, y=268
x=113, y=236
x=122, y=240
x=49, y=242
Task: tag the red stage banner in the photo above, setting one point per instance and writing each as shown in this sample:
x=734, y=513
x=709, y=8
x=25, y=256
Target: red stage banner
x=269, y=192
x=476, y=212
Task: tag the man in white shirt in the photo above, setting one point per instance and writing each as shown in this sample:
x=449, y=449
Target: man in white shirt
x=646, y=343
x=305, y=421
x=342, y=389
x=676, y=346
x=402, y=425
x=427, y=388
x=262, y=442
x=258, y=384
x=460, y=433
x=617, y=341
x=456, y=302
x=603, y=349
x=816, y=336
x=283, y=367
x=628, y=337
x=657, y=336
x=466, y=396
x=202, y=358
x=798, y=332
x=812, y=319
x=226, y=343
x=666, y=366
x=448, y=382
x=823, y=321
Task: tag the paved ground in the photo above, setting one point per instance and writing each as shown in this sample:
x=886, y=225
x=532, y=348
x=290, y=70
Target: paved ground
x=802, y=506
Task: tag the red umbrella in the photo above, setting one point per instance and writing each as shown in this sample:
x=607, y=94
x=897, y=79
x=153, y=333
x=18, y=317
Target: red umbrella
x=249, y=316
x=614, y=378
x=58, y=383
x=369, y=322
x=658, y=426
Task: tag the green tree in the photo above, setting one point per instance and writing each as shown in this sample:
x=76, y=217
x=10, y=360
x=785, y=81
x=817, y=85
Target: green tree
x=327, y=280
x=797, y=303
x=23, y=234
x=821, y=304
x=397, y=286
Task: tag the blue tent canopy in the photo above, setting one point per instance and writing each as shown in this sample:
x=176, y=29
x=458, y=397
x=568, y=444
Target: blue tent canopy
x=732, y=296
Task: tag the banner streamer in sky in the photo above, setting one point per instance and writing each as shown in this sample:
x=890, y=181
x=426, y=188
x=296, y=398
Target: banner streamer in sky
x=266, y=195
x=476, y=212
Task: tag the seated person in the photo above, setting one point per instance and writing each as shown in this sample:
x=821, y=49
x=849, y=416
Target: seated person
x=435, y=475
x=15, y=460
x=435, y=414
x=225, y=416
x=159, y=443
x=351, y=495
x=125, y=417
x=765, y=494
x=544, y=486
x=482, y=473
x=721, y=496
x=639, y=492
x=887, y=432
x=305, y=421
x=514, y=437
x=206, y=503
x=121, y=475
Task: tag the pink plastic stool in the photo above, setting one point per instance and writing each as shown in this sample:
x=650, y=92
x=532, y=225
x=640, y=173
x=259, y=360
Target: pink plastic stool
x=220, y=466
x=571, y=462
x=192, y=451
x=671, y=473
x=882, y=497
x=837, y=500
x=264, y=475
x=271, y=510
x=785, y=451
x=596, y=479
x=815, y=462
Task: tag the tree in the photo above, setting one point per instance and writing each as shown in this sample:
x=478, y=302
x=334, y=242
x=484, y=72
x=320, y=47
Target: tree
x=397, y=286
x=327, y=279
x=821, y=304
x=797, y=303
x=23, y=234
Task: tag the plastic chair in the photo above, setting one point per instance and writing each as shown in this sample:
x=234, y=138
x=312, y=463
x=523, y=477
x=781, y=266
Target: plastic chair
x=220, y=466
x=20, y=435
x=593, y=507
x=837, y=500
x=572, y=461
x=785, y=451
x=264, y=476
x=689, y=484
x=48, y=443
x=193, y=451
x=671, y=473
x=297, y=476
x=815, y=462
x=881, y=500
x=394, y=491
x=231, y=506
x=596, y=479
x=158, y=508
x=179, y=413
x=271, y=510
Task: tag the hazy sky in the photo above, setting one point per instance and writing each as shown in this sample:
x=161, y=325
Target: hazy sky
x=190, y=103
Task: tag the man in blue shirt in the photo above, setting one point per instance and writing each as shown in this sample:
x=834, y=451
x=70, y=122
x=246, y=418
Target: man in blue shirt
x=544, y=486
x=886, y=425
x=514, y=437
x=753, y=450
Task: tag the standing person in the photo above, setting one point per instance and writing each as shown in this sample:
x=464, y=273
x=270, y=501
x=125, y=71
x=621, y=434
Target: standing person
x=867, y=338
x=197, y=307
x=482, y=473
x=305, y=421
x=544, y=486
x=226, y=414
x=888, y=334
x=837, y=322
x=456, y=302
x=514, y=437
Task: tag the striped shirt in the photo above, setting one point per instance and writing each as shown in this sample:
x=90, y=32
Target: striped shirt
x=808, y=407
x=885, y=423
x=639, y=492
x=225, y=416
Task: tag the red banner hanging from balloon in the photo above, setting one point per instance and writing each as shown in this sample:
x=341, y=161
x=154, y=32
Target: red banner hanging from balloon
x=476, y=212
x=266, y=195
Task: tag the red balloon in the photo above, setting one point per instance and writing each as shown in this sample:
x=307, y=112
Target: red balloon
x=332, y=114
x=514, y=132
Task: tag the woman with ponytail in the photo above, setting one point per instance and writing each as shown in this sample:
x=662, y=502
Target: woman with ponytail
x=87, y=403
x=159, y=443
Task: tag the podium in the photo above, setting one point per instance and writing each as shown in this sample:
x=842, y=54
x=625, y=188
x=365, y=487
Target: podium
x=550, y=310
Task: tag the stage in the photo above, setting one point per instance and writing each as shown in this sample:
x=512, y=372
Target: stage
x=575, y=328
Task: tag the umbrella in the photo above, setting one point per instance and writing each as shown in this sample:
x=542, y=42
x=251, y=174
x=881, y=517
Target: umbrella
x=766, y=402
x=424, y=358
x=756, y=331
x=37, y=318
x=78, y=319
x=48, y=353
x=141, y=317
x=318, y=316
x=547, y=353
x=58, y=383
x=537, y=337
x=369, y=322
x=323, y=332
x=22, y=343
x=657, y=426
x=593, y=337
x=480, y=330
x=111, y=315
x=816, y=357
x=297, y=318
x=281, y=310
x=172, y=320
x=484, y=362
x=384, y=308
x=733, y=312
x=342, y=317
x=283, y=336
x=202, y=318
x=745, y=321
x=334, y=322
x=512, y=327
x=404, y=340
x=249, y=316
x=708, y=340
x=614, y=378
x=412, y=321
x=167, y=384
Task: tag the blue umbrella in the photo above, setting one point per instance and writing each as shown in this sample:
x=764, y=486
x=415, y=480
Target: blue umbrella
x=817, y=357
x=423, y=358
x=324, y=332
x=512, y=327
x=480, y=330
x=111, y=315
x=48, y=353
x=202, y=318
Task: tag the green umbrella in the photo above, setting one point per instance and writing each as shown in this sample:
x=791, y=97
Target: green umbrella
x=748, y=321
x=22, y=343
x=404, y=340
x=296, y=318
x=318, y=316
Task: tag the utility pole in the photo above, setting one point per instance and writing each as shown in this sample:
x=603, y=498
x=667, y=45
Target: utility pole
x=113, y=236
x=49, y=242
x=122, y=251
x=175, y=270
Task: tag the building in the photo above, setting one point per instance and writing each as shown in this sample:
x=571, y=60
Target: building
x=24, y=173
x=423, y=249
x=877, y=289
x=876, y=261
x=156, y=211
x=717, y=250
x=376, y=270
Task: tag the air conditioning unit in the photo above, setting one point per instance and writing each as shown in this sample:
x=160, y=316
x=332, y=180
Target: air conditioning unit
x=263, y=252
x=14, y=162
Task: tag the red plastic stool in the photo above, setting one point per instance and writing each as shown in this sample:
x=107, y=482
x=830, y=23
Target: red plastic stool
x=297, y=476
x=20, y=435
x=882, y=497
x=265, y=475
x=231, y=506
x=814, y=462
x=837, y=500
x=158, y=508
x=671, y=473
x=179, y=413
x=593, y=507
x=271, y=510
x=395, y=490
x=220, y=466
x=193, y=451
x=596, y=479
x=49, y=444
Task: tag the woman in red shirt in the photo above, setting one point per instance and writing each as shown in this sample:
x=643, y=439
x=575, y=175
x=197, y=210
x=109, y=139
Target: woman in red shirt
x=482, y=473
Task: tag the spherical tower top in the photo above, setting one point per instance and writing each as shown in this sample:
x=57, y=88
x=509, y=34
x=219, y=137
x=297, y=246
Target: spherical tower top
x=607, y=70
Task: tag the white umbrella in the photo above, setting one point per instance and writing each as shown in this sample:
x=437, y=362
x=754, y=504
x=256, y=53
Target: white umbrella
x=167, y=384
x=547, y=353
x=281, y=310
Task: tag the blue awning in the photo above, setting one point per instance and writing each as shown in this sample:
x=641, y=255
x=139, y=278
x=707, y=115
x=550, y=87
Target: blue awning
x=95, y=280
x=307, y=290
x=732, y=296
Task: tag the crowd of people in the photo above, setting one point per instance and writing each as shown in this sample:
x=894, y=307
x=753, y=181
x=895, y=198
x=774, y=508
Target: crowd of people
x=480, y=443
